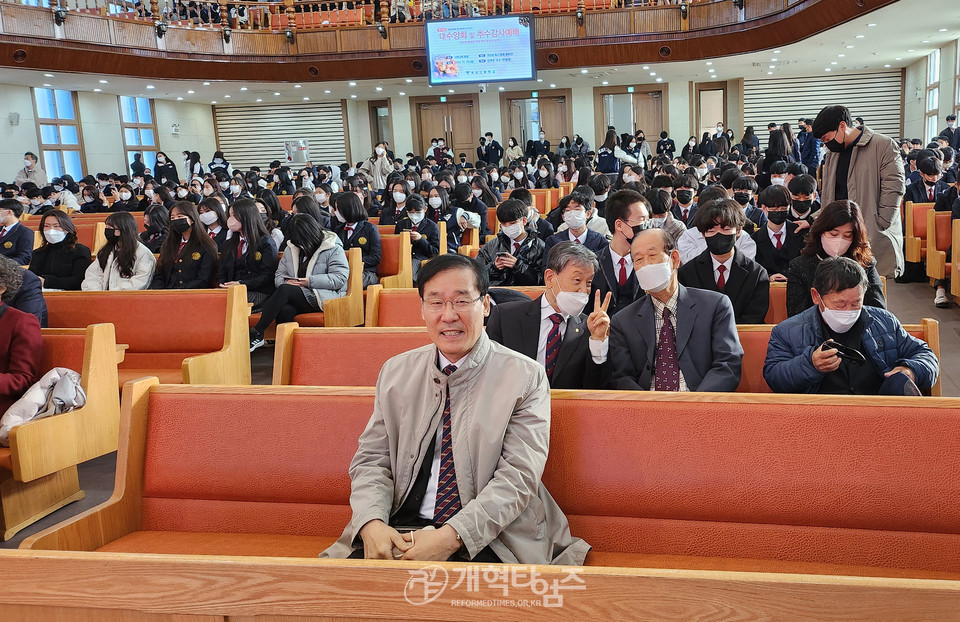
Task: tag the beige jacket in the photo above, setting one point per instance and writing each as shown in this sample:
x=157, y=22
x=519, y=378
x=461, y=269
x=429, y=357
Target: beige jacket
x=500, y=411
x=376, y=171
x=876, y=183
x=96, y=279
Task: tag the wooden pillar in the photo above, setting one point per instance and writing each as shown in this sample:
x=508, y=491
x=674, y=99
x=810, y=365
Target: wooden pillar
x=155, y=9
x=224, y=15
x=385, y=11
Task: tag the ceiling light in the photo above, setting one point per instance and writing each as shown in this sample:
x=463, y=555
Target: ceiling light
x=886, y=66
x=653, y=73
x=353, y=97
x=259, y=100
x=840, y=55
x=353, y=84
x=379, y=88
x=402, y=93
x=213, y=102
x=553, y=86
x=909, y=50
x=769, y=73
x=859, y=36
x=227, y=96
x=277, y=93
x=776, y=51
x=646, y=67
x=771, y=67
x=243, y=88
x=501, y=89
x=306, y=99
x=708, y=64
x=149, y=86
x=104, y=82
x=849, y=47
x=206, y=84
x=450, y=91
x=296, y=86
x=898, y=58
x=711, y=70
x=97, y=90
x=827, y=69
x=871, y=25
x=408, y=81
x=48, y=75
x=942, y=30
x=583, y=71
x=833, y=62
x=604, y=83
x=179, y=99
x=190, y=92
x=659, y=79
x=925, y=41
x=45, y=84
x=327, y=91
x=773, y=60
x=539, y=79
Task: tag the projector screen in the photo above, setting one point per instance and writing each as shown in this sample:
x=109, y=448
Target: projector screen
x=480, y=49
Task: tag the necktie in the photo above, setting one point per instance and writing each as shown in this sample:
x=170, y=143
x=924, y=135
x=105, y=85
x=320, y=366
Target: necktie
x=516, y=247
x=349, y=231
x=668, y=373
x=622, y=278
x=686, y=212
x=182, y=244
x=779, y=242
x=553, y=344
x=240, y=249
x=721, y=282
x=212, y=234
x=448, y=495
x=930, y=192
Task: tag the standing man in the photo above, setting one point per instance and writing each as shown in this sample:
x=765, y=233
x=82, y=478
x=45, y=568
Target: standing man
x=494, y=150
x=865, y=167
x=31, y=171
x=951, y=133
x=455, y=449
x=809, y=147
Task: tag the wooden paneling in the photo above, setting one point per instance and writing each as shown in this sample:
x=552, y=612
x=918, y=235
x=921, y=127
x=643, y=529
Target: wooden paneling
x=28, y=613
x=665, y=19
x=753, y=9
x=712, y=14
x=87, y=28
x=134, y=34
x=317, y=42
x=194, y=40
x=360, y=39
x=260, y=44
x=557, y=27
x=607, y=23
x=22, y=20
x=404, y=37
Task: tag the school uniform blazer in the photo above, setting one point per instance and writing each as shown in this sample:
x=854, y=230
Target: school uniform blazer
x=677, y=212
x=778, y=261
x=917, y=191
x=191, y=270
x=594, y=241
x=747, y=286
x=255, y=268
x=517, y=326
x=220, y=239
x=429, y=244
x=608, y=281
x=366, y=237
x=17, y=244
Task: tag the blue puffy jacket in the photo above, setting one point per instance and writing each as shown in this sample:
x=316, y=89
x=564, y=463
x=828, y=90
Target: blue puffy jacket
x=789, y=368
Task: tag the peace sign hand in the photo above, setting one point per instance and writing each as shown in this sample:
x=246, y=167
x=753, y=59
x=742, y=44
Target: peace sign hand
x=598, y=322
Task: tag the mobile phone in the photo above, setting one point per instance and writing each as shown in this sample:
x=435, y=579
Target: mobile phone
x=503, y=254
x=850, y=354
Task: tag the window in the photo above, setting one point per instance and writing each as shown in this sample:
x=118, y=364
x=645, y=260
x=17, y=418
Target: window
x=58, y=128
x=139, y=129
x=933, y=96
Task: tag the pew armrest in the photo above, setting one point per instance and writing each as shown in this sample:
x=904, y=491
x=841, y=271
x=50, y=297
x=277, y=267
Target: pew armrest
x=231, y=364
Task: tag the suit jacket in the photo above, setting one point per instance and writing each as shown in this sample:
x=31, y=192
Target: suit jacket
x=366, y=237
x=946, y=200
x=747, y=285
x=18, y=244
x=709, y=350
x=20, y=354
x=677, y=212
x=917, y=191
x=594, y=241
x=607, y=281
x=29, y=298
x=256, y=268
x=517, y=326
x=778, y=261
x=429, y=243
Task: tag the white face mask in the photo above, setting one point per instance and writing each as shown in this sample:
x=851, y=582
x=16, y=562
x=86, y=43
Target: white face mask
x=340, y=217
x=542, y=136
x=415, y=217
x=530, y=169
x=692, y=143
x=513, y=231
x=262, y=183
x=440, y=144
x=543, y=174
x=321, y=197
x=351, y=171
x=572, y=303
x=36, y=201
x=182, y=192
x=124, y=196
x=702, y=172
x=840, y=321
x=518, y=175
x=657, y=222
x=411, y=184
x=27, y=163
x=235, y=189
x=54, y=236
x=777, y=181
x=58, y=188
x=380, y=151
x=629, y=179
x=562, y=169
x=88, y=199
x=435, y=202
x=399, y=197
x=477, y=192
x=224, y=184
x=149, y=193
x=655, y=277
x=952, y=124
x=462, y=179
x=427, y=177
x=602, y=197
x=719, y=128
x=207, y=191
x=208, y=218
x=834, y=247
x=575, y=219
x=161, y=160
x=494, y=176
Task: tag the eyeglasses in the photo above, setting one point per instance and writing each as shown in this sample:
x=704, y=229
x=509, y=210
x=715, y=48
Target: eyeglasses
x=459, y=305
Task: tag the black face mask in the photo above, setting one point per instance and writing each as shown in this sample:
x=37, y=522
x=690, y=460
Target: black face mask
x=111, y=234
x=834, y=145
x=721, y=243
x=777, y=217
x=264, y=217
x=802, y=207
x=179, y=225
x=684, y=196
x=646, y=224
x=741, y=197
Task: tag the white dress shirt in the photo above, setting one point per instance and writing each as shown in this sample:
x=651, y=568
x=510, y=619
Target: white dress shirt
x=726, y=269
x=429, y=503
x=773, y=236
x=581, y=238
x=598, y=349
x=628, y=263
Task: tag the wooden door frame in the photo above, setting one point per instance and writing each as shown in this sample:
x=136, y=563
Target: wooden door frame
x=508, y=96
x=708, y=86
x=415, y=112
x=600, y=126
x=379, y=103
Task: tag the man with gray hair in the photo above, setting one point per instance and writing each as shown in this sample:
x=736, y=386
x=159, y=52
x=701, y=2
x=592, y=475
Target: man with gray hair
x=553, y=329
x=840, y=346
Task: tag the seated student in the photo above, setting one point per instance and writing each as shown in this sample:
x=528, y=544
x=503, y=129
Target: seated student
x=627, y=215
x=156, y=223
x=744, y=190
x=555, y=322
x=61, y=261
x=313, y=269
x=458, y=220
x=20, y=342
x=249, y=257
x=930, y=186
x=721, y=269
x=34, y=201
x=424, y=233
x=16, y=241
x=214, y=221
x=658, y=206
x=579, y=204
x=692, y=242
x=594, y=222
x=92, y=200
x=674, y=338
x=123, y=263
x=515, y=256
x=685, y=188
x=543, y=226
x=188, y=257
x=462, y=197
x=398, y=192
x=837, y=232
x=804, y=205
x=499, y=510
x=799, y=359
x=947, y=200
x=273, y=216
x=545, y=177
x=126, y=200
x=355, y=231
x=779, y=242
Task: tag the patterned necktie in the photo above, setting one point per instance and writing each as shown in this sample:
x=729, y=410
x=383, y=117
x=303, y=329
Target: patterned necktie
x=779, y=242
x=448, y=495
x=721, y=282
x=516, y=247
x=686, y=213
x=622, y=278
x=930, y=192
x=668, y=372
x=553, y=344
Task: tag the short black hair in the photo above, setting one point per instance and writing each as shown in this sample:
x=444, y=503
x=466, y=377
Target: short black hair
x=13, y=205
x=416, y=203
x=929, y=166
x=453, y=261
x=618, y=205
x=729, y=176
x=745, y=183
x=802, y=184
x=523, y=195
x=725, y=212
x=838, y=274
x=686, y=181
x=583, y=195
x=797, y=168
x=512, y=210
x=830, y=118
x=775, y=196
x=659, y=202
x=778, y=168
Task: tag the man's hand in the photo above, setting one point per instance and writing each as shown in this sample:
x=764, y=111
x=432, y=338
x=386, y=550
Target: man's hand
x=379, y=540
x=599, y=322
x=801, y=224
x=414, y=236
x=431, y=544
x=507, y=261
x=825, y=361
x=901, y=369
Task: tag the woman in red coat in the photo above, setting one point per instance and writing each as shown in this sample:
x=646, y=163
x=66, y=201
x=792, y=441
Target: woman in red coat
x=20, y=341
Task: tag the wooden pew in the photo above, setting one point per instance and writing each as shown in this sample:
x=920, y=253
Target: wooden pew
x=90, y=234
x=396, y=261
x=401, y=307
x=939, y=232
x=819, y=485
x=190, y=336
x=470, y=239
x=38, y=472
x=915, y=241
x=777, y=311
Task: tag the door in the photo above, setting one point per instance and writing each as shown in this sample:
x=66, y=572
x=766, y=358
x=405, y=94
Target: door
x=553, y=118
x=618, y=112
x=524, y=120
x=456, y=122
x=712, y=104
x=433, y=124
x=648, y=114
x=381, y=127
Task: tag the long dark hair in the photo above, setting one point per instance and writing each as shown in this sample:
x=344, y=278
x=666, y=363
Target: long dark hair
x=780, y=147
x=124, y=246
x=213, y=205
x=610, y=141
x=194, y=160
x=66, y=223
x=305, y=233
x=199, y=238
x=159, y=218
x=835, y=215
x=251, y=227
x=306, y=204
x=269, y=199
x=486, y=194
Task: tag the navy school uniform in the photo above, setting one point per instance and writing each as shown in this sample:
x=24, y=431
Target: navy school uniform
x=256, y=268
x=191, y=270
x=366, y=237
x=17, y=244
x=429, y=243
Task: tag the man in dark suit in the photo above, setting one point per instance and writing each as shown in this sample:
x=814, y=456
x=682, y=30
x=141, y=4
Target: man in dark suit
x=580, y=201
x=951, y=133
x=930, y=186
x=29, y=296
x=627, y=214
x=721, y=269
x=494, y=150
x=16, y=241
x=674, y=338
x=685, y=189
x=553, y=329
x=779, y=241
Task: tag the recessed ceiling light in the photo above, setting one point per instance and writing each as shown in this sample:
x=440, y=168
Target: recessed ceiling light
x=776, y=51
x=408, y=81
x=104, y=82
x=849, y=47
x=711, y=70
x=243, y=88
x=553, y=86
x=942, y=30
x=604, y=83
x=277, y=93
x=871, y=25
x=859, y=36
x=909, y=50
x=259, y=100
x=833, y=62
x=840, y=55
x=206, y=84
x=769, y=73
x=149, y=86
x=213, y=102
x=353, y=97
x=48, y=75
x=886, y=66
x=583, y=71
x=97, y=90
x=773, y=66
x=646, y=67
x=227, y=96
x=327, y=91
x=296, y=86
x=653, y=73
x=190, y=92
x=353, y=84
x=501, y=89
x=379, y=88
x=898, y=58
x=827, y=69
x=450, y=91
x=925, y=41
x=179, y=99
x=539, y=79
x=306, y=99
x=659, y=79
x=45, y=84
x=708, y=64
x=402, y=93
x=773, y=60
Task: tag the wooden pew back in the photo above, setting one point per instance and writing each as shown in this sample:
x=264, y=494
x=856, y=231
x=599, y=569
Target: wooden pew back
x=915, y=241
x=401, y=307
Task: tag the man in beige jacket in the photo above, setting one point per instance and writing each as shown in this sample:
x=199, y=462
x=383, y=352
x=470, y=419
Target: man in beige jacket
x=867, y=168
x=449, y=466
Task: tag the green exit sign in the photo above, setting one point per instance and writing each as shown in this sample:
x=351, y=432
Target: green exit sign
x=442, y=99
x=629, y=89
x=534, y=95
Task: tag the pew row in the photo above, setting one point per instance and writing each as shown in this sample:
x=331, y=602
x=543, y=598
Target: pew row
x=38, y=472
x=915, y=240
x=191, y=336
x=820, y=485
x=401, y=307
x=939, y=241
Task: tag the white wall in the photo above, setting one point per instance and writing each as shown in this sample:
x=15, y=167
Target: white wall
x=358, y=120
x=102, y=137
x=490, y=116
x=196, y=129
x=583, y=115
x=678, y=112
x=402, y=126
x=948, y=65
x=15, y=140
x=913, y=106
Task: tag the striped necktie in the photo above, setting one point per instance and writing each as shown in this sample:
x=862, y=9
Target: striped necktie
x=448, y=495
x=554, y=339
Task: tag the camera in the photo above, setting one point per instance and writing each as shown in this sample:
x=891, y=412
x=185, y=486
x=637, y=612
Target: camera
x=483, y=88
